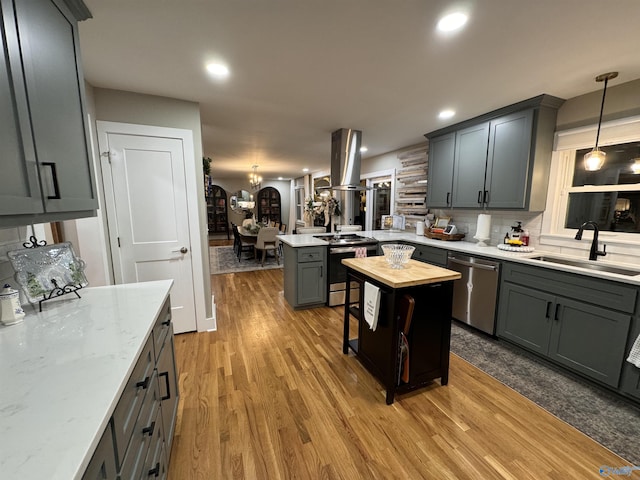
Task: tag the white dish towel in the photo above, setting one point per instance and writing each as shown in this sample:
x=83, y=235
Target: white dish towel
x=371, y=305
x=634, y=355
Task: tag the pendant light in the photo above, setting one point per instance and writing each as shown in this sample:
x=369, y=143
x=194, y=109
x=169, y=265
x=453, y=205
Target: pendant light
x=594, y=160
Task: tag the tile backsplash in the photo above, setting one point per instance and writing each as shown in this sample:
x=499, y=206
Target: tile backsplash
x=466, y=221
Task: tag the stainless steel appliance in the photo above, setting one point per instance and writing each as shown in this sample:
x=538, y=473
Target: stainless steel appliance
x=474, y=295
x=344, y=246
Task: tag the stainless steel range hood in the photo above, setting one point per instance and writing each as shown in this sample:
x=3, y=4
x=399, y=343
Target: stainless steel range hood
x=345, y=160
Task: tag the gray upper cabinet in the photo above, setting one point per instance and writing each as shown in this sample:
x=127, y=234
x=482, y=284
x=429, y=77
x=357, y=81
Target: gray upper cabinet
x=441, y=157
x=508, y=161
x=44, y=125
x=499, y=160
x=469, y=166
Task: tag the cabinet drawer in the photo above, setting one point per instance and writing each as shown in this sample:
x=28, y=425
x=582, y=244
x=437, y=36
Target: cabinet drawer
x=161, y=327
x=310, y=254
x=130, y=404
x=155, y=463
x=148, y=427
x=591, y=290
x=103, y=463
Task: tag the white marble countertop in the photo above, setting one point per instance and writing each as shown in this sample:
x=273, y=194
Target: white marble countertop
x=62, y=373
x=472, y=248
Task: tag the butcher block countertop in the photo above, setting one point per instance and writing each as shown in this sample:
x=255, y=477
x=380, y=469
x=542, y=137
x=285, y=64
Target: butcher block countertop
x=414, y=272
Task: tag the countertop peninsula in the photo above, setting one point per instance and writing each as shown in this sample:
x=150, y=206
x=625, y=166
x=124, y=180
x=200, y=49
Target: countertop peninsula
x=63, y=371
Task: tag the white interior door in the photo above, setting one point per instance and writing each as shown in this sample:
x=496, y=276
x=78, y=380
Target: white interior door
x=146, y=200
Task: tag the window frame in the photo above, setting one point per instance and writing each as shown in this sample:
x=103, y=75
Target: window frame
x=563, y=159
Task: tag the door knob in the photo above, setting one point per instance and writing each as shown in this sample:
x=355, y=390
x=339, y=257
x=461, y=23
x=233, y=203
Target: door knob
x=182, y=250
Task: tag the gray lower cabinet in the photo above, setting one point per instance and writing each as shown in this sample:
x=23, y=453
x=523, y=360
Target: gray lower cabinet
x=137, y=441
x=103, y=463
x=432, y=255
x=630, y=383
x=47, y=169
x=305, y=270
x=575, y=329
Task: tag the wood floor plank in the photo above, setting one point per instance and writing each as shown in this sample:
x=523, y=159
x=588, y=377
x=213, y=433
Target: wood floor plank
x=271, y=396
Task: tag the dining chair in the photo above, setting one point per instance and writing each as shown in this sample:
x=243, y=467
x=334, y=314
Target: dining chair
x=236, y=238
x=243, y=244
x=283, y=228
x=266, y=240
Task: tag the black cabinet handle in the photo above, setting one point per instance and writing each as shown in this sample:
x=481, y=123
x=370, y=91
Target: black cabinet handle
x=155, y=471
x=166, y=379
x=167, y=322
x=448, y=195
x=555, y=315
x=485, y=198
x=54, y=180
x=479, y=196
x=546, y=314
x=144, y=383
x=149, y=430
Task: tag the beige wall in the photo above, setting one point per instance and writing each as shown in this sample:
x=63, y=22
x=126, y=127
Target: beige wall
x=130, y=107
x=621, y=101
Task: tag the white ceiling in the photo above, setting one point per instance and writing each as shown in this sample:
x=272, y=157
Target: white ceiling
x=301, y=69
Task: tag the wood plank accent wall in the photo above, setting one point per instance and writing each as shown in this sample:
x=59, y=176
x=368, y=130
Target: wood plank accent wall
x=411, y=191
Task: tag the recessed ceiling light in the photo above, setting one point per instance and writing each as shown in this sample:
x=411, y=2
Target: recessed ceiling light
x=305, y=169
x=444, y=114
x=364, y=149
x=218, y=70
x=280, y=178
x=452, y=21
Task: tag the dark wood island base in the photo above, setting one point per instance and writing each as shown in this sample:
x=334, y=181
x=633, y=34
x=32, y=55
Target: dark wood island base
x=429, y=333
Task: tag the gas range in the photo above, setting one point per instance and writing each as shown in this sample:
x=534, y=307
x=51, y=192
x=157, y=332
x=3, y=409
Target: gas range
x=347, y=240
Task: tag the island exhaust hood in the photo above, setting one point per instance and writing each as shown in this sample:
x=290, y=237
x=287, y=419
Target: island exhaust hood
x=345, y=160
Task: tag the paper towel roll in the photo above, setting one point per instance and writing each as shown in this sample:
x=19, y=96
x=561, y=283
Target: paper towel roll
x=483, y=231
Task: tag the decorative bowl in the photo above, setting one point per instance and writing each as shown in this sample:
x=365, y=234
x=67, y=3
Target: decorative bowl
x=397, y=254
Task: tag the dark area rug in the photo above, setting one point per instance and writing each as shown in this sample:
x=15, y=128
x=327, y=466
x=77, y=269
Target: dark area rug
x=605, y=417
x=225, y=260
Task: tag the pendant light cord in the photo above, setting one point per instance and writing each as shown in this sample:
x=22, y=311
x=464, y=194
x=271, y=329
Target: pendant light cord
x=604, y=92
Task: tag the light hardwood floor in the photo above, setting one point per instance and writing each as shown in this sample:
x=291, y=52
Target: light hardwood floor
x=271, y=396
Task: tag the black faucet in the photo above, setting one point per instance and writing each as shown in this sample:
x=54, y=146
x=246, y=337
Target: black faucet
x=594, y=253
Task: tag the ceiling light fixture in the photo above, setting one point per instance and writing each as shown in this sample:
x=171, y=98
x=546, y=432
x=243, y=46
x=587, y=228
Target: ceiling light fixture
x=363, y=149
x=254, y=179
x=305, y=170
x=445, y=114
x=594, y=160
x=452, y=21
x=218, y=70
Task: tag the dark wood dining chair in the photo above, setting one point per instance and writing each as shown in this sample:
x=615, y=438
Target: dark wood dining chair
x=244, y=244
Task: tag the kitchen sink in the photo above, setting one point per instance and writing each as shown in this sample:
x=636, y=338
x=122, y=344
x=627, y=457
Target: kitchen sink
x=588, y=264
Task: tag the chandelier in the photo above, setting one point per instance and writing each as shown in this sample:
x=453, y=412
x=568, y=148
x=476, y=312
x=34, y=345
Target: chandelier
x=594, y=160
x=254, y=179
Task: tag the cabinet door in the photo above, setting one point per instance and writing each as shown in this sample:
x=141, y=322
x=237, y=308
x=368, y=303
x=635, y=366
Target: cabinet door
x=312, y=286
x=508, y=160
x=524, y=317
x=589, y=339
x=469, y=166
x=103, y=463
x=168, y=384
x=432, y=255
x=19, y=187
x=440, y=176
x=630, y=383
x=55, y=89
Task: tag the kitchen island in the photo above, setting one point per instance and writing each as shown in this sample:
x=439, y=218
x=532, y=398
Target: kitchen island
x=426, y=323
x=64, y=371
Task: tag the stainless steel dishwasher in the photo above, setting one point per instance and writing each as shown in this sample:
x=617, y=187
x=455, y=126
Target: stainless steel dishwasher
x=474, y=295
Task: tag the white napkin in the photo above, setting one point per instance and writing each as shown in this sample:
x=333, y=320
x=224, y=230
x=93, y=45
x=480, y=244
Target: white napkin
x=371, y=305
x=634, y=355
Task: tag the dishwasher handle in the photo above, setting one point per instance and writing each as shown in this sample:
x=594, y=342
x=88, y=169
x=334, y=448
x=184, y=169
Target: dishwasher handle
x=479, y=266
